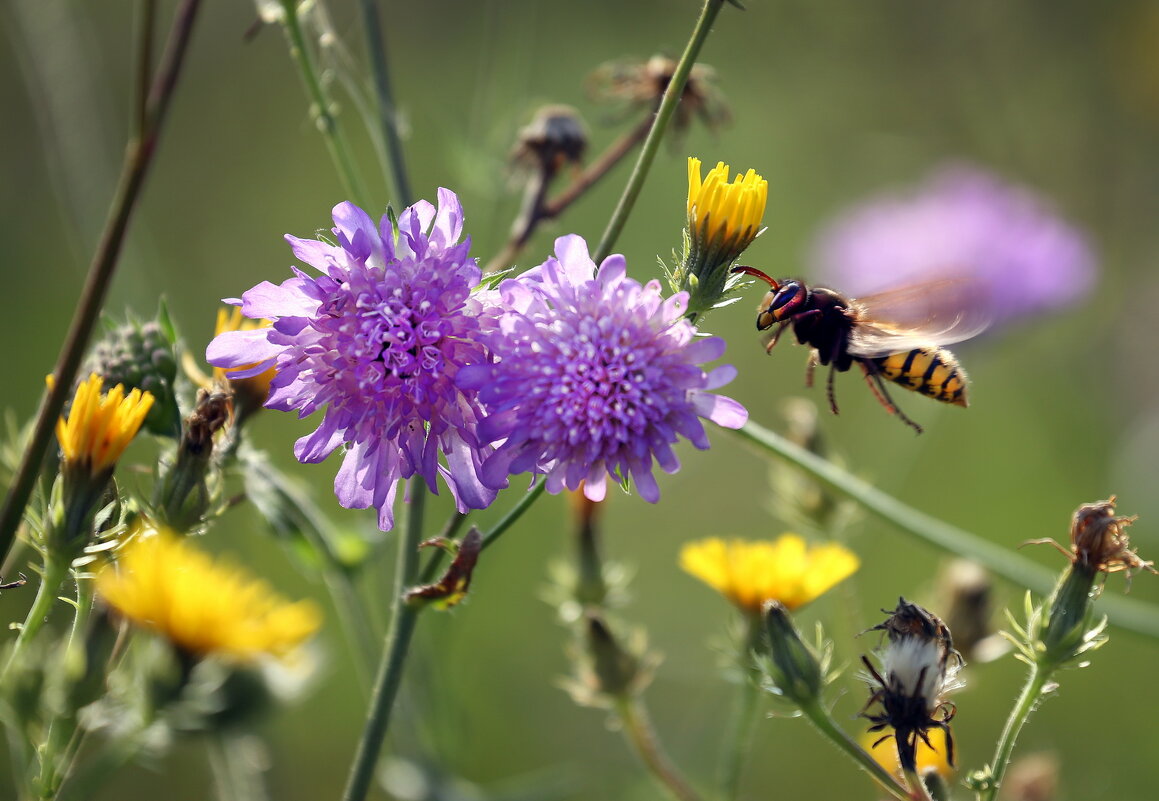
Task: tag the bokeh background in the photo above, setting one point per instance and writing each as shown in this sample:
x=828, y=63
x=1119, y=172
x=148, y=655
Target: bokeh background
x=830, y=101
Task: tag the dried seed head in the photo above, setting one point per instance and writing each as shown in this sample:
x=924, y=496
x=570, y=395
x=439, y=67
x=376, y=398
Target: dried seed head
x=1099, y=539
x=554, y=138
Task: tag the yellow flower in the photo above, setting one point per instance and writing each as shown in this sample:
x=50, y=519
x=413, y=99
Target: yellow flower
x=254, y=388
x=928, y=758
x=204, y=607
x=100, y=427
x=750, y=573
x=724, y=217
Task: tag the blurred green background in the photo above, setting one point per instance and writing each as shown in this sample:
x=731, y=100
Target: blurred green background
x=830, y=101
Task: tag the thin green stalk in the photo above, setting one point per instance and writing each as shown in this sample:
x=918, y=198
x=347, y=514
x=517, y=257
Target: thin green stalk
x=1027, y=701
x=327, y=124
x=402, y=625
x=1137, y=616
x=743, y=718
x=638, y=730
x=60, y=741
x=234, y=773
x=146, y=22
x=54, y=574
x=508, y=520
x=663, y=116
x=138, y=158
x=388, y=116
x=430, y=571
x=825, y=724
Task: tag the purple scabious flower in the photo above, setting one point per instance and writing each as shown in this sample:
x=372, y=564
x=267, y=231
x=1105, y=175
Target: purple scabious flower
x=966, y=223
x=593, y=376
x=377, y=340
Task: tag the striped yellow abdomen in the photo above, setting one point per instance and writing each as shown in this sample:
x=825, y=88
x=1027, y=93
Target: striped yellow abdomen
x=933, y=372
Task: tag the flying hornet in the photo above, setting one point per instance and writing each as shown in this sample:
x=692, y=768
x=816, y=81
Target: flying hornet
x=892, y=336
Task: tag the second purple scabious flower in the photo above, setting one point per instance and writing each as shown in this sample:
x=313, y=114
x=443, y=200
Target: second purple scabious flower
x=967, y=223
x=594, y=375
x=377, y=339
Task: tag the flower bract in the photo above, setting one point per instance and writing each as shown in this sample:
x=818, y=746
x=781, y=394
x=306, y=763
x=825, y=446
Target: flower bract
x=787, y=570
x=204, y=607
x=377, y=340
x=100, y=425
x=595, y=376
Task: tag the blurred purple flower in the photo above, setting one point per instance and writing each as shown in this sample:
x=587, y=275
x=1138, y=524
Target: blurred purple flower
x=961, y=222
x=377, y=339
x=594, y=376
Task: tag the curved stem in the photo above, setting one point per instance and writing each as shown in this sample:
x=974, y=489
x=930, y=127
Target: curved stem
x=659, y=126
x=320, y=105
x=404, y=616
x=508, y=520
x=388, y=116
x=638, y=730
x=1027, y=701
x=138, y=158
x=826, y=725
x=1137, y=616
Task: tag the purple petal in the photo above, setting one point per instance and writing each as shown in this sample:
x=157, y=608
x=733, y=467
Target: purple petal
x=241, y=348
x=723, y=411
x=291, y=298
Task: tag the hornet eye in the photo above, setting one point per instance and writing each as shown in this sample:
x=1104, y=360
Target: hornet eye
x=785, y=296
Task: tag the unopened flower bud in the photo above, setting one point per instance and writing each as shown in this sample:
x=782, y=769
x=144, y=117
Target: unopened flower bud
x=183, y=494
x=142, y=356
x=794, y=670
x=608, y=668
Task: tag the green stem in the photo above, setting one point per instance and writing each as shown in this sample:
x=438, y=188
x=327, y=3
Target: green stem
x=1027, y=701
x=743, y=718
x=663, y=116
x=508, y=520
x=1137, y=616
x=638, y=730
x=320, y=105
x=55, y=572
x=388, y=116
x=828, y=728
x=404, y=616
x=138, y=158
x=146, y=19
x=59, y=743
x=431, y=570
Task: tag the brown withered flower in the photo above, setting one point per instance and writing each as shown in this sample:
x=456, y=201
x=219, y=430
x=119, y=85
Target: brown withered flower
x=641, y=84
x=554, y=138
x=1099, y=541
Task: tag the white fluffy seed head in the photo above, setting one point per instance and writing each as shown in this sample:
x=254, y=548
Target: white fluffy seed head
x=916, y=667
